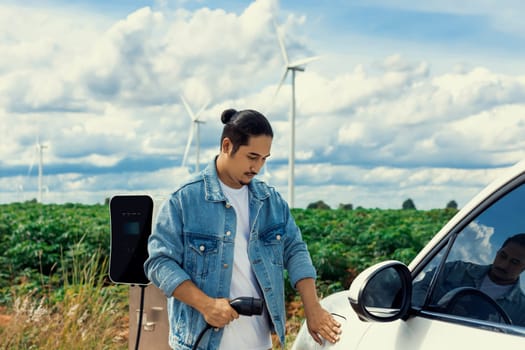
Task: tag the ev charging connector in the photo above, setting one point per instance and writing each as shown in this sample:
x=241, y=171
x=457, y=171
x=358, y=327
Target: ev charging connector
x=246, y=306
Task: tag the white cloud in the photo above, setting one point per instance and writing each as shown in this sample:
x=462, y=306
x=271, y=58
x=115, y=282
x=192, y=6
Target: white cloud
x=104, y=95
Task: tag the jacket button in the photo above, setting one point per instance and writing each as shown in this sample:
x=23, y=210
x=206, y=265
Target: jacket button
x=225, y=266
x=228, y=233
x=278, y=237
x=202, y=248
x=228, y=205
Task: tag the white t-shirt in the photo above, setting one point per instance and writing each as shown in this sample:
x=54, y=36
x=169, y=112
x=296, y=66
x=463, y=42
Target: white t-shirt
x=246, y=332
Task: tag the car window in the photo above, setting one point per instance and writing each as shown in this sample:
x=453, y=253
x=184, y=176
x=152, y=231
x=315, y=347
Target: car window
x=481, y=275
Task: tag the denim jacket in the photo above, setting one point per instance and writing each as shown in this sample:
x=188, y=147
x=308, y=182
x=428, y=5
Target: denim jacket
x=193, y=239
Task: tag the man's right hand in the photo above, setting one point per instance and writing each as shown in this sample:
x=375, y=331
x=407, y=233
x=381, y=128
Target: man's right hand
x=218, y=312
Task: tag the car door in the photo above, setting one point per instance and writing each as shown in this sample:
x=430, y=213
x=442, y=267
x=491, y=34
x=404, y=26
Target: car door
x=476, y=320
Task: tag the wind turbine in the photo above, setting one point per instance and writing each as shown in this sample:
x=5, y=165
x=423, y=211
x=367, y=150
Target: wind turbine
x=296, y=66
x=194, y=129
x=40, y=148
x=40, y=152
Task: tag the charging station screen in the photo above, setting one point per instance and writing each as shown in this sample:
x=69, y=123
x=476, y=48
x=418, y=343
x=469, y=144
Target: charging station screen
x=132, y=228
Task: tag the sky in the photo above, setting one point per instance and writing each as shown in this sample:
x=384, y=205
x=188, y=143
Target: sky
x=420, y=100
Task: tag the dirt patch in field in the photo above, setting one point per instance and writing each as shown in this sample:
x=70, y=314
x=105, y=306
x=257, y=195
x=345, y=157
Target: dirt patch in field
x=4, y=318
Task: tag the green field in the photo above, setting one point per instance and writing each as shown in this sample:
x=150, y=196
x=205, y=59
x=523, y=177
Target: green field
x=54, y=265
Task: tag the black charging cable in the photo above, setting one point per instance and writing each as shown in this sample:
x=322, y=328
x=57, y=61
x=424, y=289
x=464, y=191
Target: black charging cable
x=246, y=306
x=141, y=311
x=201, y=334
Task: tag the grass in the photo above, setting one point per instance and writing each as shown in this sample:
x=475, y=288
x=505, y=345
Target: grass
x=89, y=317
x=84, y=313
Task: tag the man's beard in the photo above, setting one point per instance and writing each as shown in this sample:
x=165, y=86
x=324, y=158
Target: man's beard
x=244, y=183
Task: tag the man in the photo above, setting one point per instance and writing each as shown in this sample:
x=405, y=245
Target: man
x=226, y=234
x=499, y=280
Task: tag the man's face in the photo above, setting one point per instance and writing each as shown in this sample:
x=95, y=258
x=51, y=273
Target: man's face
x=242, y=166
x=508, y=264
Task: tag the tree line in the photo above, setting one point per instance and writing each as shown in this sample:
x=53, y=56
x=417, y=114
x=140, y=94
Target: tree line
x=407, y=204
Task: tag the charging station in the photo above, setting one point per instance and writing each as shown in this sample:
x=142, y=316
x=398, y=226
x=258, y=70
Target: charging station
x=131, y=224
x=131, y=218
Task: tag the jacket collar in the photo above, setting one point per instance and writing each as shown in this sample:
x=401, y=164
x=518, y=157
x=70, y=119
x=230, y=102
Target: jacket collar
x=212, y=187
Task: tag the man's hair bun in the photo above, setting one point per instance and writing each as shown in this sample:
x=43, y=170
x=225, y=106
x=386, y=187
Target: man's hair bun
x=227, y=115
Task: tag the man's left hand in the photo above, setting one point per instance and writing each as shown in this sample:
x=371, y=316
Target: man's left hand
x=322, y=325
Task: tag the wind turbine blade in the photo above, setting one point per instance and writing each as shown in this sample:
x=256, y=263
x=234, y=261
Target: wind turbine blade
x=203, y=108
x=33, y=159
x=281, y=82
x=303, y=61
x=188, y=144
x=188, y=109
x=281, y=43
x=31, y=166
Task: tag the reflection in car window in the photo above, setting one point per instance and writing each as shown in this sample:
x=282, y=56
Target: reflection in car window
x=489, y=255
x=422, y=281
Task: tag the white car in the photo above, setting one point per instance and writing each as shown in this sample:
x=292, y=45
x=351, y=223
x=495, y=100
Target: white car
x=441, y=299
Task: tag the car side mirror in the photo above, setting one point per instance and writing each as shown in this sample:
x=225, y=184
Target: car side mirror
x=382, y=292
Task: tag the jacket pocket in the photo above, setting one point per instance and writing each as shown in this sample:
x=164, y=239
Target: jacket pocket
x=272, y=241
x=202, y=256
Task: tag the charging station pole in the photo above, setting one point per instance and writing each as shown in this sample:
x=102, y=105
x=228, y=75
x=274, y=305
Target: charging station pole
x=155, y=324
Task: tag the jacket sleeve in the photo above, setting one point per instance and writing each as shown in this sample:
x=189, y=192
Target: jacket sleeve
x=166, y=249
x=297, y=258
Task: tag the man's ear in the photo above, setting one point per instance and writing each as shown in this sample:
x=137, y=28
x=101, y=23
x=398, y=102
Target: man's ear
x=226, y=145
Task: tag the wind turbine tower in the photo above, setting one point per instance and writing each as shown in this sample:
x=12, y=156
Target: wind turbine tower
x=40, y=148
x=194, y=129
x=296, y=66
